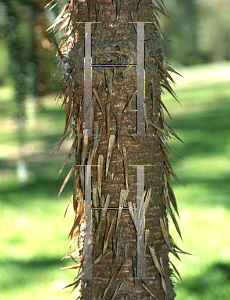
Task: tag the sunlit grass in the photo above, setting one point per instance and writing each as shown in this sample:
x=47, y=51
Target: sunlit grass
x=203, y=123
x=205, y=274
x=7, y=94
x=33, y=235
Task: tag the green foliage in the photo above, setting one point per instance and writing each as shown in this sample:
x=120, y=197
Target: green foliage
x=199, y=31
x=214, y=33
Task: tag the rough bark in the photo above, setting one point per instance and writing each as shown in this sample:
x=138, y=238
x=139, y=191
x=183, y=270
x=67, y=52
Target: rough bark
x=114, y=241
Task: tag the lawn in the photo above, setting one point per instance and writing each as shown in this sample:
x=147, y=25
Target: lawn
x=33, y=234
x=203, y=123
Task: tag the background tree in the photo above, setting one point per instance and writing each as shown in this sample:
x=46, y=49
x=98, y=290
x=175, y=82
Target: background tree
x=29, y=51
x=118, y=149
x=199, y=31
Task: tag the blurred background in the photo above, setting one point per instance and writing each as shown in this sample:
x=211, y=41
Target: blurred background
x=33, y=234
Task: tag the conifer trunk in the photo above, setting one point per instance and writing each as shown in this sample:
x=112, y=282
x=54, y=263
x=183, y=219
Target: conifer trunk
x=118, y=156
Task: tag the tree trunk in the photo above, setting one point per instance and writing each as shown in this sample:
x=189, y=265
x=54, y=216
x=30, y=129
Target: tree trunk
x=129, y=163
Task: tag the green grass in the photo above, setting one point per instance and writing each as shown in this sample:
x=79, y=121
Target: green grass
x=203, y=123
x=33, y=235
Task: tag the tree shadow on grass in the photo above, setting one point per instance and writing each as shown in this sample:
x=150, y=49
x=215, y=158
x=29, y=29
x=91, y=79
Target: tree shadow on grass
x=41, y=185
x=218, y=191
x=207, y=132
x=212, y=284
x=41, y=189
x=209, y=129
x=18, y=273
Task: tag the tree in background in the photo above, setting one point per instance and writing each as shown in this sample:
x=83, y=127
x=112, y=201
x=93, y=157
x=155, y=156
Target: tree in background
x=183, y=32
x=127, y=154
x=28, y=43
x=199, y=31
x=213, y=30
x=29, y=54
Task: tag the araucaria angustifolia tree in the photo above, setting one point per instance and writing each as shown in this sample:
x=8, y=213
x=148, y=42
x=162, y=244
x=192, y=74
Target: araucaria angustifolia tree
x=114, y=71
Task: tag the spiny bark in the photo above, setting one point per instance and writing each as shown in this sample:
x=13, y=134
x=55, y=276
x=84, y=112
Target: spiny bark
x=116, y=149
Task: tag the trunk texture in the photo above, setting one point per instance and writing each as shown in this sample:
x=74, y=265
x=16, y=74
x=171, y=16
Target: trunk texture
x=129, y=256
